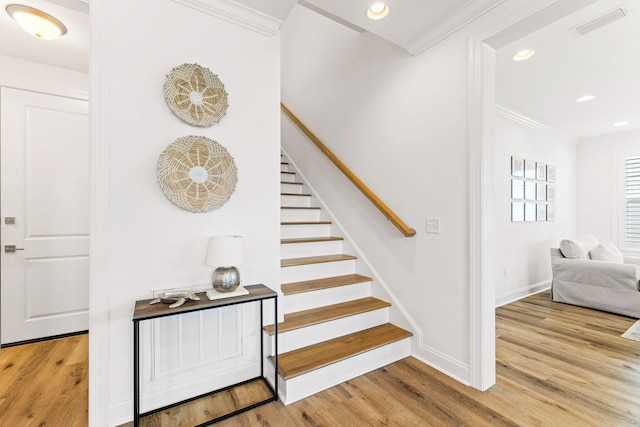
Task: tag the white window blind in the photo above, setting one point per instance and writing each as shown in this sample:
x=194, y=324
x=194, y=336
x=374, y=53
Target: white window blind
x=632, y=195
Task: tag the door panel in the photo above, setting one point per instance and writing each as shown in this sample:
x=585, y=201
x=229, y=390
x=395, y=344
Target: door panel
x=44, y=143
x=47, y=284
x=56, y=172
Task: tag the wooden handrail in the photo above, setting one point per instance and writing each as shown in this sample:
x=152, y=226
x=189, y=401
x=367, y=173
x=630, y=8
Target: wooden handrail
x=388, y=213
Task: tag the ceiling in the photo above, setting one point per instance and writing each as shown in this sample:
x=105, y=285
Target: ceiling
x=604, y=62
x=70, y=51
x=411, y=24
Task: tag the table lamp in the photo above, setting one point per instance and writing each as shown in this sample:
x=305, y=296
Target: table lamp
x=225, y=252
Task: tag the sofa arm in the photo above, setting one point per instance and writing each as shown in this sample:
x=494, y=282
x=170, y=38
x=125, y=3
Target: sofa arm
x=597, y=273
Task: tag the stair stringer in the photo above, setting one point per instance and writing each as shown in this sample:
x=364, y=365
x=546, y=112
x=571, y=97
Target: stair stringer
x=379, y=287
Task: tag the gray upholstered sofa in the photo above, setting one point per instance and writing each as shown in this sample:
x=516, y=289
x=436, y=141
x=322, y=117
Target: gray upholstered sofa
x=590, y=274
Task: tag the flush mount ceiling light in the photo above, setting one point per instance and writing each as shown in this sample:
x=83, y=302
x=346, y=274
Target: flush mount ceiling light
x=378, y=11
x=36, y=22
x=585, y=98
x=523, y=54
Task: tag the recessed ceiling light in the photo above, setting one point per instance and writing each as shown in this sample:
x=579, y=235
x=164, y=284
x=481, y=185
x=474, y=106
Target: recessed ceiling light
x=36, y=22
x=620, y=124
x=523, y=54
x=585, y=98
x=378, y=11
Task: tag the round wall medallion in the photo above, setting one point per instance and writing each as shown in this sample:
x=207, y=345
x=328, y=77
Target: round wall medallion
x=197, y=174
x=195, y=95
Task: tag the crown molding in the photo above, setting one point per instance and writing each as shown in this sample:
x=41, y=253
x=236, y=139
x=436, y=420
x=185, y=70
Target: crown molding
x=458, y=19
x=237, y=14
x=529, y=122
x=612, y=137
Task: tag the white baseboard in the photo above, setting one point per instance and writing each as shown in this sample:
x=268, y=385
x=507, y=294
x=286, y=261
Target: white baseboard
x=453, y=368
x=517, y=294
x=120, y=412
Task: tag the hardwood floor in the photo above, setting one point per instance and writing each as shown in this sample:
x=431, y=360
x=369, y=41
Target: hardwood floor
x=557, y=365
x=45, y=383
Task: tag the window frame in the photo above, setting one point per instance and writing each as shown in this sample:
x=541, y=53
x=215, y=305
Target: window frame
x=620, y=194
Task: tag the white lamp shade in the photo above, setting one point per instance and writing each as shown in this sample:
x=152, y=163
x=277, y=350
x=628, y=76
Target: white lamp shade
x=225, y=251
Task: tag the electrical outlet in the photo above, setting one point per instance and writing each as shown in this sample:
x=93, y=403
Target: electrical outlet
x=433, y=225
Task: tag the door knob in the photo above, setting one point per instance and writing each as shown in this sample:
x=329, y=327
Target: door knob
x=11, y=248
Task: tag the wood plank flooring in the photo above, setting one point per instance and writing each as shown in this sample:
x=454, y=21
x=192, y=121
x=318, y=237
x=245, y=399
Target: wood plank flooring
x=207, y=408
x=45, y=383
x=557, y=366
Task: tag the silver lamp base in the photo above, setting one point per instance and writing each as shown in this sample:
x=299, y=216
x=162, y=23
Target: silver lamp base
x=226, y=279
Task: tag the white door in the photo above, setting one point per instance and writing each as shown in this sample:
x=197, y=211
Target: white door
x=44, y=214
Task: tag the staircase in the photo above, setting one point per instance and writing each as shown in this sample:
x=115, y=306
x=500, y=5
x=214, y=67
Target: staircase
x=333, y=329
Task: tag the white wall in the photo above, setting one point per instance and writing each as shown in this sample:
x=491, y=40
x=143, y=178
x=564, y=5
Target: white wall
x=398, y=124
x=600, y=185
x=522, y=248
x=21, y=74
x=151, y=243
x=401, y=124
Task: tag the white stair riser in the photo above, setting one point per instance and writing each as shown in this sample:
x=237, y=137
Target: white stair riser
x=306, y=230
x=316, y=271
x=300, y=250
x=287, y=177
x=323, y=297
x=321, y=379
x=297, y=215
x=269, y=372
x=291, y=188
x=285, y=168
x=295, y=200
x=303, y=337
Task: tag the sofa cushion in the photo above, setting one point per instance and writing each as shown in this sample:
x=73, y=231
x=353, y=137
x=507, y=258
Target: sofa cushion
x=589, y=241
x=607, y=252
x=578, y=248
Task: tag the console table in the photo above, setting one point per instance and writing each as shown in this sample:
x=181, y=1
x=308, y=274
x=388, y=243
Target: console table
x=144, y=311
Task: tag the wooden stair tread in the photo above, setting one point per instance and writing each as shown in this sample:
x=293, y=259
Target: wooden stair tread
x=305, y=223
x=294, y=183
x=299, y=207
x=325, y=283
x=288, y=173
x=295, y=194
x=291, y=262
x=327, y=313
x=310, y=239
x=307, y=359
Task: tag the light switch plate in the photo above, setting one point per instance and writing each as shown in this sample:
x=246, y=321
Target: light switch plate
x=433, y=225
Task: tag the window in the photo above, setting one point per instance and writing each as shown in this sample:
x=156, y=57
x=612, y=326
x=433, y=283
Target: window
x=632, y=200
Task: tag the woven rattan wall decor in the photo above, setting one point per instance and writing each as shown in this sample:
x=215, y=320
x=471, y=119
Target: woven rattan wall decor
x=197, y=174
x=195, y=95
